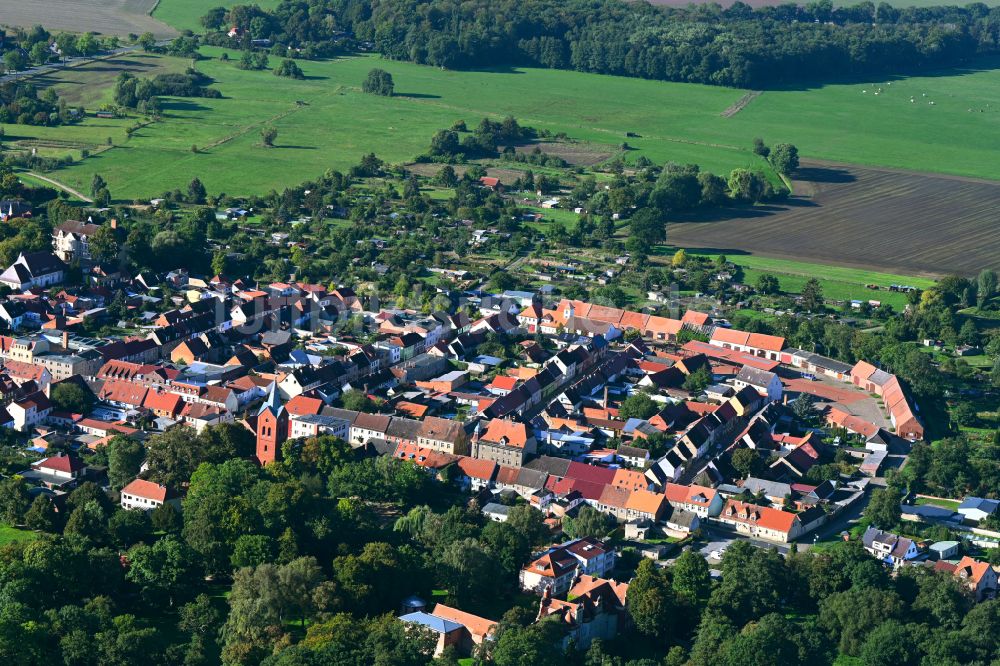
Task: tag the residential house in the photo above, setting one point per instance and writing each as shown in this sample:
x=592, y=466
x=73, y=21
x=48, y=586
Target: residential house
x=765, y=383
x=558, y=566
x=58, y=471
x=888, y=547
x=595, y=609
x=633, y=456
x=978, y=576
x=146, y=495
x=474, y=474
x=33, y=269
x=368, y=427
x=71, y=241
x=505, y=442
x=760, y=522
x=477, y=630
x=443, y=435
x=702, y=501
x=29, y=411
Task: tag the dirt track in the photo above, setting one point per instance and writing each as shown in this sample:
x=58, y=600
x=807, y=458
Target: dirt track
x=871, y=218
x=106, y=17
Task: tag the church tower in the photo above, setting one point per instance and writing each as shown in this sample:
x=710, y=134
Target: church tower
x=272, y=428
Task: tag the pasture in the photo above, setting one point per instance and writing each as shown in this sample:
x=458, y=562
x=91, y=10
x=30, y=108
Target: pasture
x=105, y=17
x=184, y=14
x=874, y=219
x=335, y=123
x=90, y=84
x=951, y=126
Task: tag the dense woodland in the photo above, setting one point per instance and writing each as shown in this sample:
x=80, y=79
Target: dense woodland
x=738, y=46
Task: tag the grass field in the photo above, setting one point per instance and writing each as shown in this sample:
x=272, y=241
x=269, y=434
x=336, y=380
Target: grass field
x=337, y=123
x=10, y=534
x=184, y=14
x=90, y=84
x=845, y=124
x=838, y=282
x=106, y=17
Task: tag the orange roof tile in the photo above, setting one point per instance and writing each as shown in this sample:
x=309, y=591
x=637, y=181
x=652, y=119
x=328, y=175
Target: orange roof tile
x=646, y=502
x=479, y=627
x=515, y=433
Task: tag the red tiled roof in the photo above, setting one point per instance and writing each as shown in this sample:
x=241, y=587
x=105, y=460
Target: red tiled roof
x=147, y=490
x=61, y=463
x=477, y=469
x=764, y=516
x=301, y=405
x=515, y=433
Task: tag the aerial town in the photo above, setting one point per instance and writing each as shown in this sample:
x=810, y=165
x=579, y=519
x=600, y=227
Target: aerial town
x=436, y=339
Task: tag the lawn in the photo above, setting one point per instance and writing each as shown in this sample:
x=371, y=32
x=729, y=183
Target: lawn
x=10, y=534
x=943, y=503
x=184, y=14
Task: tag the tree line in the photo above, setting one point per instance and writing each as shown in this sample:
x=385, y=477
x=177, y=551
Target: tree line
x=737, y=46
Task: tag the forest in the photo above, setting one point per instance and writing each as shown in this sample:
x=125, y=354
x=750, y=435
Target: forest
x=738, y=46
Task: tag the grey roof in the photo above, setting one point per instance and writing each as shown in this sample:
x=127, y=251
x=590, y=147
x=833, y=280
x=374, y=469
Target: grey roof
x=495, y=508
x=531, y=478
x=338, y=413
x=988, y=506
x=769, y=488
x=879, y=377
x=632, y=451
x=682, y=518
x=549, y=465
x=273, y=402
x=755, y=376
x=432, y=622
x=403, y=429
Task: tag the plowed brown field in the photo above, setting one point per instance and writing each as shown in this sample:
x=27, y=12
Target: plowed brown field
x=881, y=219
x=106, y=17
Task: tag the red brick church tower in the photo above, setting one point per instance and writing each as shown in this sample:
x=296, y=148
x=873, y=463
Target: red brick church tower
x=272, y=428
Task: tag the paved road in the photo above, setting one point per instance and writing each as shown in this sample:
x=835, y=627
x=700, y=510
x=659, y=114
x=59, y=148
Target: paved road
x=59, y=66
x=78, y=61
x=66, y=188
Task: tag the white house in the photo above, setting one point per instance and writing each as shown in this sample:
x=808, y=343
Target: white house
x=888, y=547
x=764, y=382
x=34, y=269
x=976, y=509
x=29, y=411
x=146, y=495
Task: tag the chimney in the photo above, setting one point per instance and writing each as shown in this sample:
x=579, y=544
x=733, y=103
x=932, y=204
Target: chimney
x=65, y=340
x=114, y=223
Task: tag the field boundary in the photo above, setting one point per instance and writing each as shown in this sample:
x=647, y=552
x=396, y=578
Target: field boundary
x=64, y=188
x=741, y=103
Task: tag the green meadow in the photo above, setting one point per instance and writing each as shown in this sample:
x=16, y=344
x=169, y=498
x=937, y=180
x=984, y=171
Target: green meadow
x=184, y=14
x=838, y=282
x=958, y=134
x=326, y=122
